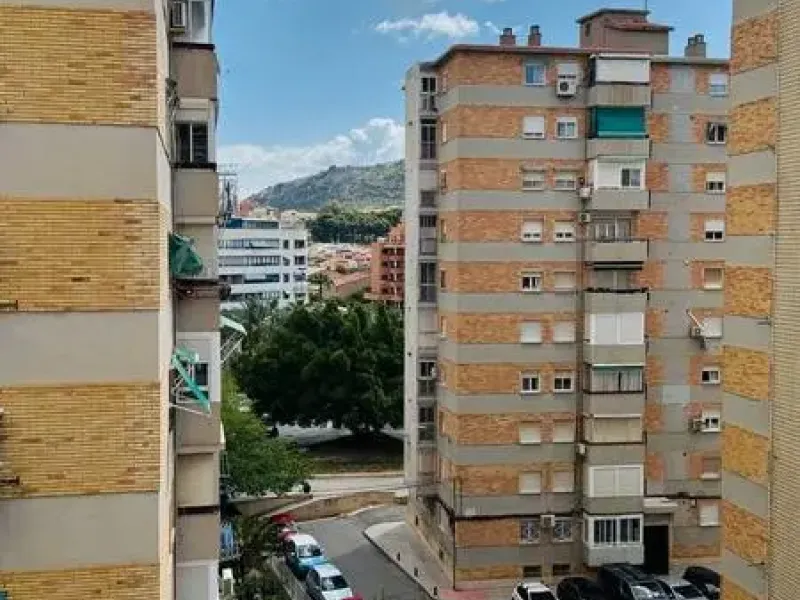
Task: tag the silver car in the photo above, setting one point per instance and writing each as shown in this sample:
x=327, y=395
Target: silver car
x=680, y=589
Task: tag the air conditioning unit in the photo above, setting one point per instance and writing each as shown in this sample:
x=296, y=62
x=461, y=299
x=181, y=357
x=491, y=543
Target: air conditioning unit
x=566, y=86
x=585, y=192
x=548, y=520
x=696, y=332
x=178, y=16
x=696, y=425
x=585, y=217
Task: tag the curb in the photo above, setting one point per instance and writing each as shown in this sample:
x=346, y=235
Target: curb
x=392, y=560
x=362, y=474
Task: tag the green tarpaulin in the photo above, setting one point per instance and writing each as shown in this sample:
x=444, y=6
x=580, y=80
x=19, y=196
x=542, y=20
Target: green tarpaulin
x=184, y=261
x=181, y=360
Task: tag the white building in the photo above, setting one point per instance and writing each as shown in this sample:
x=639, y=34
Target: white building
x=264, y=258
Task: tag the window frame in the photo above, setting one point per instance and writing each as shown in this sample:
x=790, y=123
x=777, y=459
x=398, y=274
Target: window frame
x=537, y=176
x=715, y=320
x=571, y=177
x=538, y=82
x=619, y=372
x=615, y=530
x=716, y=133
x=526, y=340
x=530, y=390
x=192, y=159
x=707, y=475
x=716, y=178
x=534, y=233
x=533, y=276
x=564, y=376
x=711, y=420
x=709, y=370
x=530, y=426
x=560, y=288
x=713, y=285
x=715, y=521
x=630, y=172
x=568, y=231
x=710, y=230
x=567, y=121
x=538, y=133
x=722, y=89
x=570, y=525
x=532, y=526
x=525, y=492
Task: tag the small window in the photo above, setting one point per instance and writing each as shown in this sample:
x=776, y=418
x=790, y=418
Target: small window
x=631, y=178
x=563, y=382
x=561, y=569
x=714, y=230
x=716, y=133
x=711, y=468
x=425, y=414
x=563, y=482
x=531, y=282
x=566, y=128
x=530, y=483
x=427, y=369
x=715, y=183
x=708, y=514
x=443, y=327
x=532, y=231
x=533, y=181
x=532, y=572
x=711, y=376
x=562, y=528
x=718, y=84
x=564, y=281
x=427, y=221
x=191, y=141
x=535, y=73
x=533, y=128
x=443, y=279
x=427, y=198
x=530, y=332
x=713, y=278
x=564, y=231
x=444, y=133
x=711, y=421
x=712, y=327
x=530, y=531
x=530, y=383
x=530, y=433
x=564, y=332
x=565, y=181
x=443, y=180
x=563, y=432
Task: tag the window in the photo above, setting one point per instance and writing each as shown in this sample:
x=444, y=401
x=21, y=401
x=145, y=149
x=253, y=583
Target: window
x=614, y=531
x=712, y=278
x=714, y=230
x=562, y=528
x=442, y=230
x=535, y=73
x=565, y=181
x=428, y=93
x=563, y=382
x=530, y=483
x=530, y=383
x=299, y=261
x=711, y=468
x=427, y=369
x=197, y=26
x=613, y=279
x=564, y=332
x=533, y=571
x=712, y=327
x=443, y=179
x=715, y=183
x=616, y=481
x=443, y=279
x=428, y=139
x=708, y=514
x=711, y=376
x=563, y=432
x=427, y=221
x=566, y=128
x=615, y=329
x=561, y=569
x=612, y=230
x=530, y=433
x=710, y=421
x=616, y=380
x=564, y=281
x=532, y=231
x=299, y=244
x=444, y=133
x=530, y=332
x=191, y=141
x=531, y=282
x=563, y=482
x=631, y=178
x=530, y=531
x=718, y=84
x=533, y=127
x=427, y=198
x=564, y=231
x=533, y=181
x=716, y=133
x=426, y=414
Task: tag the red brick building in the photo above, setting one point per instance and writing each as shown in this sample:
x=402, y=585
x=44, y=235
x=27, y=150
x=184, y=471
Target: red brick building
x=387, y=269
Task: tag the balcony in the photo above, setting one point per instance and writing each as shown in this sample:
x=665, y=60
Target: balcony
x=606, y=301
x=619, y=199
x=199, y=433
x=605, y=403
x=595, y=556
x=426, y=388
x=194, y=69
x=196, y=196
x=204, y=245
x=620, y=250
x=619, y=94
x=426, y=434
x=599, y=147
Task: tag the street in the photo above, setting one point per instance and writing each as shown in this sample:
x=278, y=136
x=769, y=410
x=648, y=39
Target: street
x=369, y=572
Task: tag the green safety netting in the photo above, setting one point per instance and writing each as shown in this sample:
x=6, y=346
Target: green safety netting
x=181, y=360
x=184, y=261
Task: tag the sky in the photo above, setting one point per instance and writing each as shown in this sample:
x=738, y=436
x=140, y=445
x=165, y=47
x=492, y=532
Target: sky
x=306, y=84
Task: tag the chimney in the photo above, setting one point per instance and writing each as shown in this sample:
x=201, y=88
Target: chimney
x=535, y=36
x=696, y=46
x=507, y=38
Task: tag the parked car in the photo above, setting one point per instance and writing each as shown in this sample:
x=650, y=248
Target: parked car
x=285, y=523
x=326, y=582
x=705, y=579
x=680, y=589
x=579, y=588
x=622, y=581
x=532, y=590
x=302, y=552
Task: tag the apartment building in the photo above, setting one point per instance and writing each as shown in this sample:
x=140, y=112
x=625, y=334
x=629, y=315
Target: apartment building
x=563, y=334
x=109, y=331
x=387, y=267
x=760, y=353
x=264, y=258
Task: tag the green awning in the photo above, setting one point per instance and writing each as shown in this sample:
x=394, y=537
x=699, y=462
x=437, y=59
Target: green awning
x=187, y=356
x=231, y=324
x=180, y=364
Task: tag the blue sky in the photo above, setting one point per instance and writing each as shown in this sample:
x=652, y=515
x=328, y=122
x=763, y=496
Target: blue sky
x=310, y=83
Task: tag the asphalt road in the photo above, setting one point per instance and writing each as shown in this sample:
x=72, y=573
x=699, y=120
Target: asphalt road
x=369, y=572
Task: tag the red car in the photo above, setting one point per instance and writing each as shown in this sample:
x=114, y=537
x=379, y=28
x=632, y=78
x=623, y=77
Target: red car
x=286, y=524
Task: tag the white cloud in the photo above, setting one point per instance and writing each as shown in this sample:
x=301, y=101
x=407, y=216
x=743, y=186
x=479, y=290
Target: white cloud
x=378, y=140
x=493, y=28
x=432, y=25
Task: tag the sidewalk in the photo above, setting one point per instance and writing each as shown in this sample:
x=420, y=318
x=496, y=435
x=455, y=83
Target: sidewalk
x=398, y=542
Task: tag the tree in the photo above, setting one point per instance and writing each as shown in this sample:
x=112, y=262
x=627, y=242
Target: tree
x=257, y=540
x=323, y=282
x=339, y=361
x=336, y=223
x=257, y=462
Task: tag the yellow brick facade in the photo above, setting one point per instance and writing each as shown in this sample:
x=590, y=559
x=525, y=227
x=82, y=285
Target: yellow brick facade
x=744, y=534
x=500, y=277
x=487, y=328
x=88, y=439
x=754, y=42
x=504, y=174
x=500, y=378
x=748, y=291
x=750, y=210
x=92, y=66
x=505, y=121
x=746, y=372
x=82, y=255
x=756, y=127
x=499, y=226
x=499, y=429
x=123, y=582
x=503, y=480
x=745, y=453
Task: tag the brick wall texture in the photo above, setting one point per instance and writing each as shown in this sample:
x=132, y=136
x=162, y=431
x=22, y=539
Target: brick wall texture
x=121, y=582
x=748, y=291
x=750, y=210
x=91, y=439
x=756, y=127
x=743, y=533
x=94, y=66
x=487, y=328
x=494, y=277
x=505, y=121
x=504, y=174
x=499, y=429
x=480, y=68
x=745, y=453
x=82, y=255
x=499, y=378
x=503, y=480
x=746, y=372
x=754, y=42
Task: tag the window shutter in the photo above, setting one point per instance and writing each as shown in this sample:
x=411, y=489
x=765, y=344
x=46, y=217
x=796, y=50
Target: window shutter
x=602, y=481
x=630, y=328
x=629, y=481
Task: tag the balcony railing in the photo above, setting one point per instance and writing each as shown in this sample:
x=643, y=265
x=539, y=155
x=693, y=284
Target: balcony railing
x=426, y=388
x=427, y=292
x=426, y=432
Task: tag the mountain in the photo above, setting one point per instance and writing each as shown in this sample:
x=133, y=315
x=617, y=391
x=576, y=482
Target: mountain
x=363, y=187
